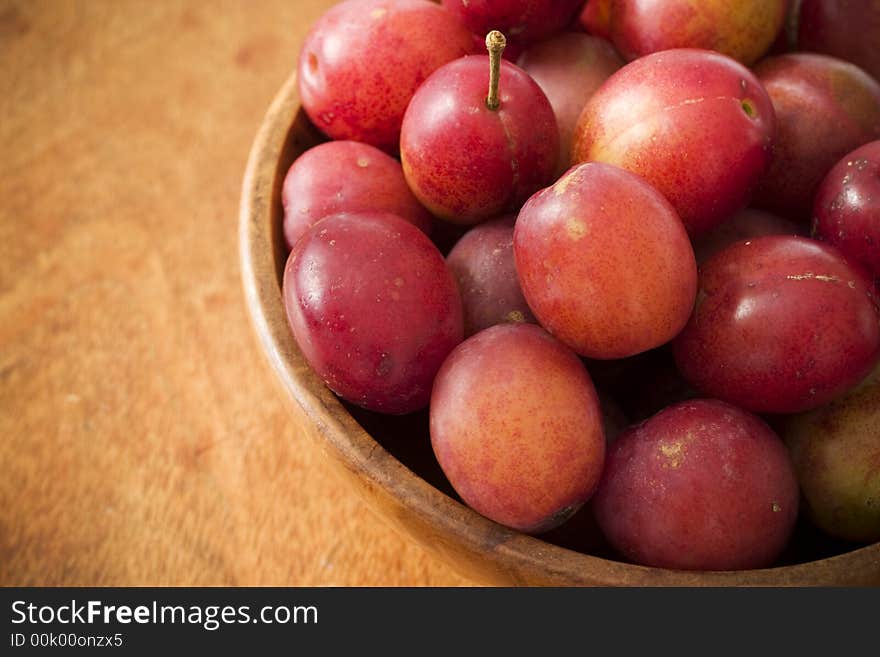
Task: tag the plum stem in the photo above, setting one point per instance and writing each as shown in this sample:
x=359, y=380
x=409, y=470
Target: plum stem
x=495, y=43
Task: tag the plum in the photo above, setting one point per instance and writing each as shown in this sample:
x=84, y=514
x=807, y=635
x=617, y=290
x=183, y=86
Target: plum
x=782, y=324
x=695, y=124
x=466, y=161
x=516, y=426
x=746, y=223
x=848, y=29
x=825, y=107
x=362, y=60
x=836, y=455
x=523, y=21
x=743, y=30
x=346, y=176
x=846, y=211
x=482, y=263
x=569, y=68
x=702, y=485
x=604, y=262
x=373, y=308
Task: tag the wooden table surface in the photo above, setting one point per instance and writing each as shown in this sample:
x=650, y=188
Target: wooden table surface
x=143, y=439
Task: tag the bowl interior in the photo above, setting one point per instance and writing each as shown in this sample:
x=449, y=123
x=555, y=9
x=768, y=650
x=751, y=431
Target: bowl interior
x=389, y=459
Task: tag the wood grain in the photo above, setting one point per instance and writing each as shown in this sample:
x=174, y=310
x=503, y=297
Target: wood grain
x=142, y=438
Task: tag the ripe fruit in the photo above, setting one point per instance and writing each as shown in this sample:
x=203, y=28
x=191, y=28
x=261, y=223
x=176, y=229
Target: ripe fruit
x=836, y=454
x=846, y=212
x=482, y=263
x=346, y=176
x=701, y=485
x=825, y=107
x=516, y=427
x=782, y=324
x=604, y=262
x=467, y=162
x=569, y=68
x=695, y=124
x=743, y=30
x=600, y=188
x=363, y=59
x=373, y=309
x=523, y=21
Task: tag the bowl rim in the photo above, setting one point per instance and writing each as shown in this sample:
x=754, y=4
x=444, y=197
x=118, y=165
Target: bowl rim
x=521, y=558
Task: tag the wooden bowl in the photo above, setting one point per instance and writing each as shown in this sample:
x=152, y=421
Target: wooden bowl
x=389, y=462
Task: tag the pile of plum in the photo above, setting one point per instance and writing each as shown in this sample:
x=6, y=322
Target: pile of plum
x=523, y=206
